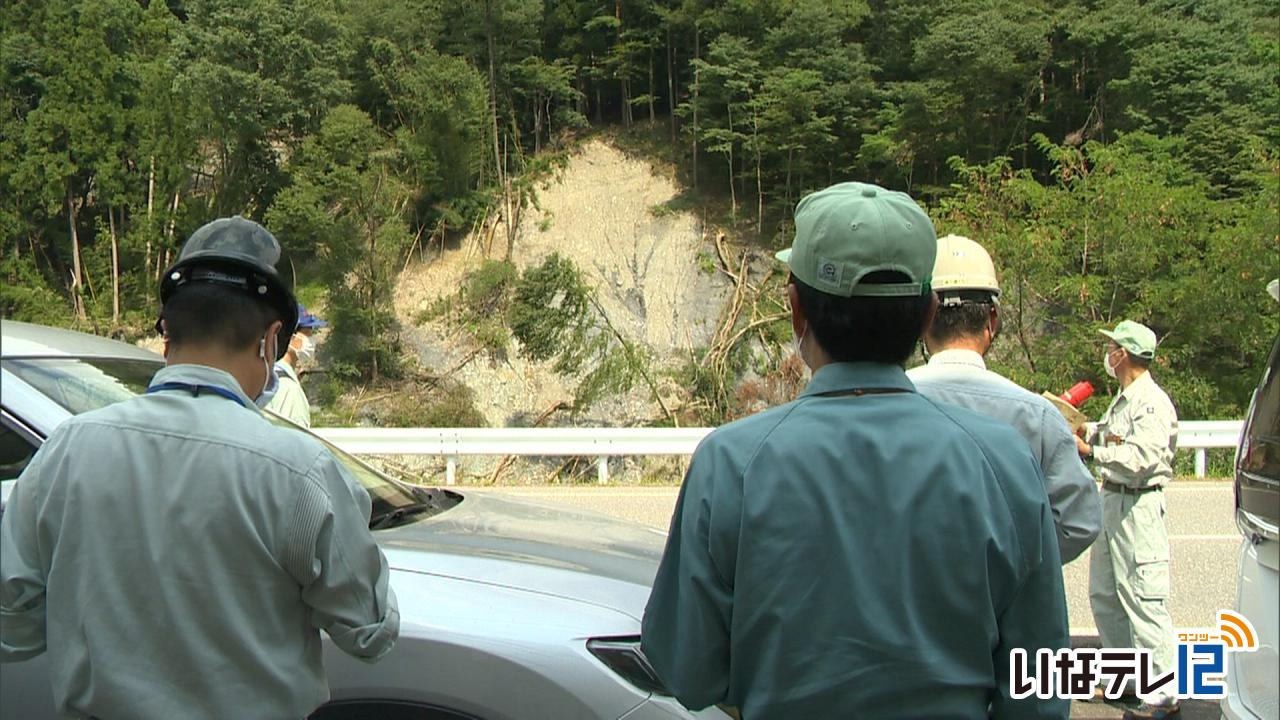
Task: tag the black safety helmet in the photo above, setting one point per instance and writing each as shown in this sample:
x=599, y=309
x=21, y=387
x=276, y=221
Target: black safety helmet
x=239, y=254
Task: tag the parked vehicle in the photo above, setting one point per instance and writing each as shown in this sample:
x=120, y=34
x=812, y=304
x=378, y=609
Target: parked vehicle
x=509, y=610
x=1252, y=692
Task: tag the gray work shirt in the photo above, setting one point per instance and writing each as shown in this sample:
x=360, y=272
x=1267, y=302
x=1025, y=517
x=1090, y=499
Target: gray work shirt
x=178, y=555
x=1134, y=441
x=290, y=402
x=868, y=556
x=961, y=377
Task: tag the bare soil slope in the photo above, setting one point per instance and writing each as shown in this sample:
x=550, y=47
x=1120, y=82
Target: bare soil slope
x=606, y=212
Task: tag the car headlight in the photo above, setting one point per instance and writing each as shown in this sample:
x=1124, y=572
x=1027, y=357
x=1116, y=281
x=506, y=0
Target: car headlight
x=623, y=656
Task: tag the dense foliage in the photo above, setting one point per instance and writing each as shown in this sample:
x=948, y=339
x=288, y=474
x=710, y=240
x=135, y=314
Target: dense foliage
x=1120, y=156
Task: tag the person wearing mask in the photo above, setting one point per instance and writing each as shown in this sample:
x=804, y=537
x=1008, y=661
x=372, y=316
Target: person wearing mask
x=1132, y=447
x=176, y=554
x=963, y=330
x=861, y=551
x=290, y=400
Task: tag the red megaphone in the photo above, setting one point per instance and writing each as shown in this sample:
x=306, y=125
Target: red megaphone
x=1078, y=393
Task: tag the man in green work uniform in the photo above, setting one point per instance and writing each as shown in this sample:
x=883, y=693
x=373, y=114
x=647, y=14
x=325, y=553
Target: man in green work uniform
x=1132, y=447
x=861, y=551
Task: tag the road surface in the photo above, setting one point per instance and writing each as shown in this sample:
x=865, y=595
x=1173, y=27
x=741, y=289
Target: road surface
x=1204, y=546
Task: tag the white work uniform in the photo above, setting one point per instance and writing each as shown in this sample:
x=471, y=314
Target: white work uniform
x=177, y=555
x=1133, y=448
x=961, y=377
x=290, y=402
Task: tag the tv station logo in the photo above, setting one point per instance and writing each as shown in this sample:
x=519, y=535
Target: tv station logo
x=1075, y=673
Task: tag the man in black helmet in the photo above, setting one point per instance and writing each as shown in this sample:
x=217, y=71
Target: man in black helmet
x=219, y=544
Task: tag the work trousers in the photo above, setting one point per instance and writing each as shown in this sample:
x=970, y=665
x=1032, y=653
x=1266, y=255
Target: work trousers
x=1129, y=577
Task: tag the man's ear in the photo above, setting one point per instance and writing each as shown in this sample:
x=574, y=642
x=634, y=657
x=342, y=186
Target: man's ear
x=930, y=314
x=164, y=338
x=273, y=332
x=799, y=322
x=993, y=323
x=274, y=328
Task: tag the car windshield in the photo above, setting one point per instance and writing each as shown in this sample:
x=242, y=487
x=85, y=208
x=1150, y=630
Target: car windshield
x=83, y=384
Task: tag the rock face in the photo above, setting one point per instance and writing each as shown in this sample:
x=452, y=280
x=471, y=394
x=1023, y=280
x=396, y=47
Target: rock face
x=608, y=213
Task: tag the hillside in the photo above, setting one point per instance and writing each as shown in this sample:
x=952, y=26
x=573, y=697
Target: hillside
x=607, y=213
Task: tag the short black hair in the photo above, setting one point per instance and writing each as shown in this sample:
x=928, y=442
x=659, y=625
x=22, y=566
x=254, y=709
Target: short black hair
x=954, y=322
x=865, y=329
x=1138, y=361
x=208, y=314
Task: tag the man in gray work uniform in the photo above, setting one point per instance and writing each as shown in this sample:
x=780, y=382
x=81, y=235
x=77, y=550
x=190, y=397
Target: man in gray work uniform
x=963, y=330
x=1132, y=447
x=177, y=554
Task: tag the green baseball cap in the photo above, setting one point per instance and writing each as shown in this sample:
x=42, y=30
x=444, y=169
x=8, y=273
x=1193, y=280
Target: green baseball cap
x=1134, y=337
x=849, y=230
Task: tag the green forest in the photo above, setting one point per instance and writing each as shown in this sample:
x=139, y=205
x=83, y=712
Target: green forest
x=1120, y=158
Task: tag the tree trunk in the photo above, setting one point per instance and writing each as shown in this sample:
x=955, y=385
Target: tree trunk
x=671, y=87
x=163, y=262
x=790, y=152
x=599, y=105
x=115, y=266
x=626, y=81
x=498, y=155
x=653, y=115
x=733, y=192
x=151, y=201
x=755, y=140
x=493, y=87
x=697, y=55
x=537, y=123
x=77, y=274
x=626, y=103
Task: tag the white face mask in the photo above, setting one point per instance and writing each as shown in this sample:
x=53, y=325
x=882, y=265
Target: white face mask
x=271, y=383
x=306, y=352
x=1106, y=364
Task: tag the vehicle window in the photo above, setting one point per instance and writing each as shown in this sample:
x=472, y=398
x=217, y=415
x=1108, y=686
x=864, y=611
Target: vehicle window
x=83, y=384
x=15, y=452
x=1262, y=456
x=382, y=491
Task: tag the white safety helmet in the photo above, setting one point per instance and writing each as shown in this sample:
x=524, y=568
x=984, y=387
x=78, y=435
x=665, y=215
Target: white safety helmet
x=963, y=271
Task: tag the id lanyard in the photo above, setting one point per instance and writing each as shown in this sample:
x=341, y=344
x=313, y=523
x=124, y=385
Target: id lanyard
x=195, y=390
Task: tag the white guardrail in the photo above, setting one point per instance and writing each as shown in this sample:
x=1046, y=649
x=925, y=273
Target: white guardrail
x=603, y=443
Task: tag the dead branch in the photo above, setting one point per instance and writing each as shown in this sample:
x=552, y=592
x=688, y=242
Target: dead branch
x=640, y=367
x=725, y=266
x=508, y=459
x=556, y=473
x=755, y=324
x=409, y=256
x=433, y=379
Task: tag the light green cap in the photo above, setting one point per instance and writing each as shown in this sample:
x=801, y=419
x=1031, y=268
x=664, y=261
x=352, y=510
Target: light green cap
x=1134, y=337
x=847, y=231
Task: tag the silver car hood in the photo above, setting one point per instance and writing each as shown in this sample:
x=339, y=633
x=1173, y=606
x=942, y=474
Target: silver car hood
x=537, y=548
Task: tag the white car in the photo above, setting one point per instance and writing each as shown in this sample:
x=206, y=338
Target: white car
x=1253, y=677
x=509, y=610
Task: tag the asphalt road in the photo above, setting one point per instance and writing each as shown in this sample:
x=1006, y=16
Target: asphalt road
x=1204, y=543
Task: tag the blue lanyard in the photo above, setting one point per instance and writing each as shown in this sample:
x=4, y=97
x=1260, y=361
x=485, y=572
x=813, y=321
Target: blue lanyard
x=195, y=390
